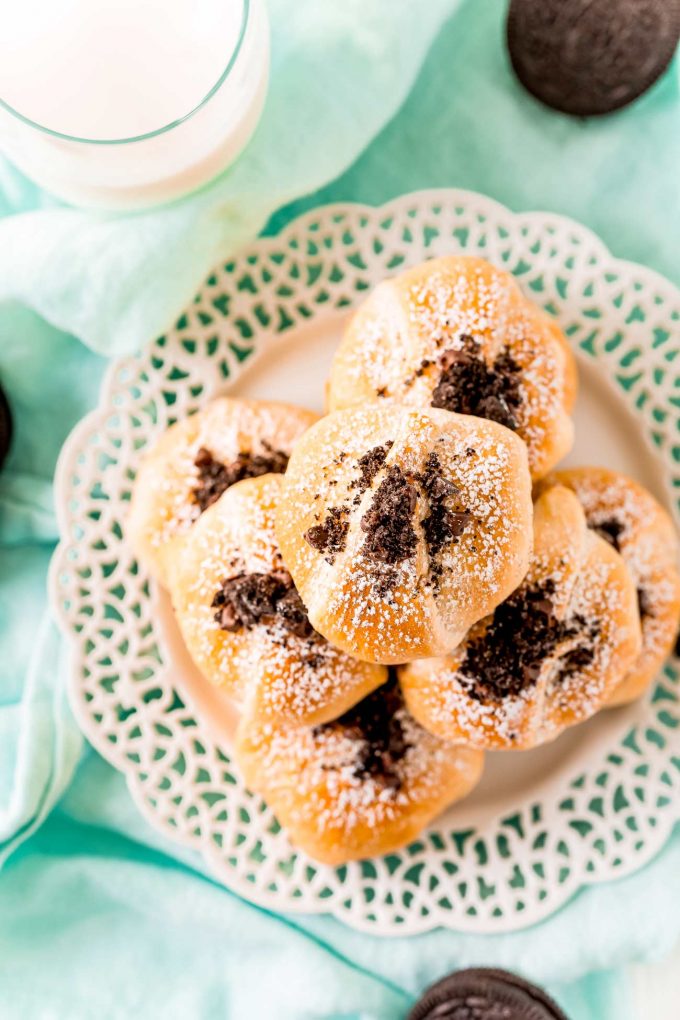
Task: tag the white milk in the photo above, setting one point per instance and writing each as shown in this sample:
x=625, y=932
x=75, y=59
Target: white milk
x=111, y=70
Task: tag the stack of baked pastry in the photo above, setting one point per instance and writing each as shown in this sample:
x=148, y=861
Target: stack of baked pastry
x=394, y=589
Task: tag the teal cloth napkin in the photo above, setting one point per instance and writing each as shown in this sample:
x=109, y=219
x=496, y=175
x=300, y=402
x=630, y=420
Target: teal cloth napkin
x=100, y=915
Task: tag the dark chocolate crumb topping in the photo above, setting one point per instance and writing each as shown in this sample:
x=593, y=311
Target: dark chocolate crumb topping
x=214, y=477
x=291, y=610
x=610, y=530
x=384, y=581
x=467, y=385
x=246, y=600
x=578, y=658
x=645, y=605
x=330, y=537
x=441, y=525
x=388, y=522
x=377, y=729
x=369, y=465
x=523, y=632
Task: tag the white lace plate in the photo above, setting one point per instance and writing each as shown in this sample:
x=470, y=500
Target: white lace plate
x=596, y=804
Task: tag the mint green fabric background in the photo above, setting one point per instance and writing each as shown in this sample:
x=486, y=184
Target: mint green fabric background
x=99, y=915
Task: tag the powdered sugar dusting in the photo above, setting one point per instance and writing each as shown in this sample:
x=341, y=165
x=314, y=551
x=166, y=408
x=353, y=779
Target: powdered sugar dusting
x=312, y=778
x=443, y=302
x=430, y=597
x=480, y=464
x=298, y=678
x=164, y=505
x=591, y=593
x=647, y=541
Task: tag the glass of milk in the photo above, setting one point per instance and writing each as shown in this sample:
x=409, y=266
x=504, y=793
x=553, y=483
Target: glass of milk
x=122, y=104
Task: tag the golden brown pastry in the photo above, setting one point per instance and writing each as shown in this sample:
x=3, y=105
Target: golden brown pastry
x=631, y=520
x=193, y=463
x=243, y=621
x=363, y=785
x=457, y=333
x=402, y=527
x=550, y=656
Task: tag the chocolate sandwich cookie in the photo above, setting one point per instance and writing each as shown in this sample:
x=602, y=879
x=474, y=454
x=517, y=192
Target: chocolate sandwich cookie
x=482, y=993
x=5, y=426
x=590, y=57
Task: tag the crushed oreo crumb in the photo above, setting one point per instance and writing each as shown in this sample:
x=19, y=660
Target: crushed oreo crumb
x=291, y=609
x=369, y=465
x=214, y=477
x=467, y=385
x=610, y=530
x=645, y=604
x=246, y=600
x=315, y=660
x=523, y=631
x=384, y=580
x=388, y=523
x=575, y=660
x=330, y=537
x=375, y=726
x=442, y=525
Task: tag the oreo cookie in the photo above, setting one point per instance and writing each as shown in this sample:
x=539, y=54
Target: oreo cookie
x=482, y=993
x=5, y=426
x=588, y=57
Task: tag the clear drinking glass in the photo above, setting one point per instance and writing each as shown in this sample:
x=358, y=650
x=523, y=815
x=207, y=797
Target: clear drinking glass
x=162, y=164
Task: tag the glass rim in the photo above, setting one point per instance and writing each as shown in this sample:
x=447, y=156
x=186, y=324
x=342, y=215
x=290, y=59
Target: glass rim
x=157, y=131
